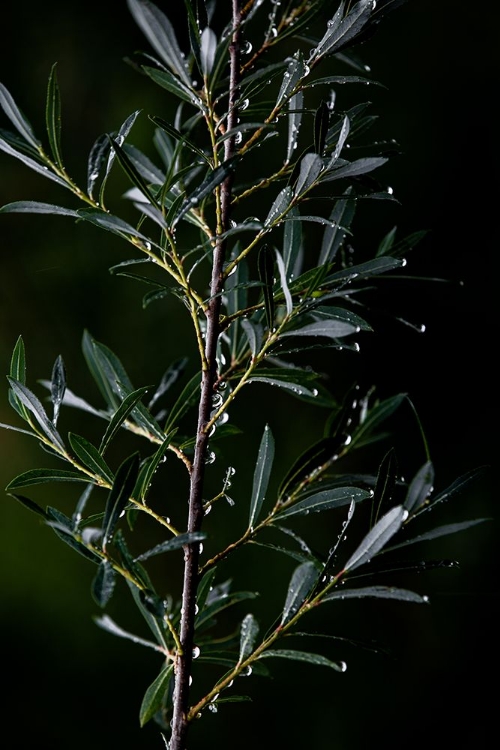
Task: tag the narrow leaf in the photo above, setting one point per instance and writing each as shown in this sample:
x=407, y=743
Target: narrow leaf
x=262, y=474
x=43, y=476
x=420, y=487
x=213, y=179
x=449, y=528
x=151, y=703
x=57, y=387
x=295, y=106
x=329, y=328
x=119, y=495
x=325, y=500
x=303, y=580
x=310, y=169
x=16, y=117
x=208, y=47
x=126, y=407
x=98, y=156
x=340, y=220
x=317, y=659
x=377, y=537
x=378, y=592
x=106, y=623
x=90, y=457
x=35, y=207
x=31, y=163
x=265, y=263
x=53, y=116
x=354, y=168
x=181, y=540
x=280, y=206
x=31, y=402
x=321, y=121
x=248, y=635
x=295, y=71
x=103, y=584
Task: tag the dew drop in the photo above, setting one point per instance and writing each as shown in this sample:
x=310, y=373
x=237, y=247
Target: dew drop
x=343, y=666
x=213, y=708
x=246, y=672
x=207, y=510
x=210, y=458
x=246, y=48
x=196, y=652
x=425, y=598
x=390, y=190
x=190, y=680
x=244, y=104
x=201, y=547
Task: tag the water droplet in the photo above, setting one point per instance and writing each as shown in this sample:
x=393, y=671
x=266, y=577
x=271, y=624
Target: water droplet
x=223, y=418
x=196, y=652
x=367, y=68
x=390, y=190
x=246, y=672
x=207, y=510
x=190, y=680
x=343, y=666
x=201, y=547
x=238, y=137
x=403, y=262
x=213, y=708
x=425, y=598
x=230, y=500
x=196, y=609
x=210, y=458
x=246, y=48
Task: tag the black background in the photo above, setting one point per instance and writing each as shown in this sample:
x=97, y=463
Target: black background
x=67, y=683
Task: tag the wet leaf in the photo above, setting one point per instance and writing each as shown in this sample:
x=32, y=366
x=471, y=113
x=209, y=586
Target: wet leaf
x=98, y=156
x=295, y=71
x=211, y=181
x=262, y=474
x=153, y=697
x=32, y=403
x=295, y=106
x=213, y=607
x=303, y=580
x=35, y=207
x=449, y=528
x=324, y=500
x=208, y=47
x=106, y=623
x=378, y=592
x=119, y=417
x=43, y=476
x=119, y=496
x=90, y=457
x=160, y=33
x=420, y=487
x=57, y=387
x=166, y=80
x=311, y=166
x=103, y=584
x=254, y=333
x=132, y=172
x=53, y=116
x=377, y=537
x=321, y=122
x=292, y=245
x=182, y=138
x=112, y=224
x=265, y=262
x=376, y=415
x=340, y=220
x=184, y=402
x=17, y=118
x=248, y=635
x=353, y=169
x=280, y=206
x=31, y=163
x=317, y=659
x=330, y=328
x=343, y=29
x=30, y=505
x=177, y=542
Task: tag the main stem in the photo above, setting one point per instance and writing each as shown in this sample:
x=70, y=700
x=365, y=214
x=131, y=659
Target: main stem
x=209, y=376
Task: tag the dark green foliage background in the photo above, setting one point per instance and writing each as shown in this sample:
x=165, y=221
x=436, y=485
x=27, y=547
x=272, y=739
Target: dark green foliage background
x=69, y=684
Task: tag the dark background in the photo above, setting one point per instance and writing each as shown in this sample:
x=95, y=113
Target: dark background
x=67, y=683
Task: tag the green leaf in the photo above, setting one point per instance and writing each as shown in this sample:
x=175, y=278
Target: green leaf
x=292, y=244
x=449, y=528
x=147, y=472
x=265, y=262
x=311, y=166
x=317, y=659
x=211, y=181
x=324, y=500
x=31, y=163
x=119, y=496
x=377, y=537
x=144, y=165
x=103, y=584
x=219, y=604
x=295, y=106
x=53, y=116
x=17, y=118
x=457, y=486
x=321, y=122
x=353, y=169
x=153, y=697
x=43, y=476
x=254, y=333
x=18, y=372
x=131, y=171
x=126, y=407
x=35, y=207
x=376, y=415
x=262, y=473
x=112, y=224
x=343, y=29
x=387, y=477
x=208, y=48
x=378, y=592
x=284, y=383
x=184, y=402
x=98, y=156
x=171, y=130
x=329, y=328
x=57, y=387
x=280, y=206
x=338, y=313
x=32, y=403
x=248, y=635
x=30, y=505
x=106, y=623
x=420, y=487
x=90, y=457
x=174, y=85
x=295, y=71
x=304, y=579
x=160, y=33
x=334, y=234
x=177, y=542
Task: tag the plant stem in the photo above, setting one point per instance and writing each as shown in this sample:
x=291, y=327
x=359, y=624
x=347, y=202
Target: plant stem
x=209, y=376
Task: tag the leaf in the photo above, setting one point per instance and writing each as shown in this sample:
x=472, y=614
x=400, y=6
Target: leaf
x=449, y=528
x=248, y=635
x=340, y=220
x=213, y=179
x=321, y=121
x=457, y=486
x=30, y=505
x=177, y=542
x=262, y=473
x=311, y=166
x=31, y=402
x=171, y=130
x=292, y=244
x=342, y=30
x=208, y=47
x=338, y=313
x=132, y=173
x=280, y=206
x=106, y=623
x=103, y=584
x=218, y=604
x=377, y=537
x=126, y=407
x=379, y=592
x=304, y=579
x=184, y=402
x=376, y=415
x=324, y=500
x=57, y=387
x=144, y=165
x=295, y=106
x=304, y=656
x=344, y=132
x=119, y=496
x=354, y=168
x=35, y=207
x=254, y=333
x=111, y=223
x=17, y=118
x=31, y=163
x=53, y=116
x=90, y=457
x=329, y=328
x=147, y=472
x=43, y=476
x=153, y=697
x=386, y=481
x=295, y=71
x=420, y=487
x=161, y=35
x=99, y=154
x=123, y=132
x=288, y=385
x=265, y=261
x=166, y=80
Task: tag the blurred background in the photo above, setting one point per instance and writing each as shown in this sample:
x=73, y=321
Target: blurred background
x=425, y=675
